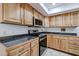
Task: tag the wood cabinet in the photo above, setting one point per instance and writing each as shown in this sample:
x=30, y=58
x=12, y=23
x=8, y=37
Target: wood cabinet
x=67, y=44
x=58, y=20
x=53, y=42
x=49, y=41
x=27, y=53
x=36, y=14
x=19, y=49
x=28, y=15
x=11, y=13
x=74, y=18
x=35, y=48
x=22, y=7
x=46, y=22
x=66, y=20
x=52, y=21
x=64, y=44
x=74, y=46
x=27, y=48
x=1, y=14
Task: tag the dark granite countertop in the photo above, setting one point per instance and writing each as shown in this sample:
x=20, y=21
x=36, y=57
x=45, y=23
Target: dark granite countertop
x=13, y=40
x=62, y=33
x=10, y=41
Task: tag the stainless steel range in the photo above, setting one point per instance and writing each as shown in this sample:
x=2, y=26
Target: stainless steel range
x=42, y=40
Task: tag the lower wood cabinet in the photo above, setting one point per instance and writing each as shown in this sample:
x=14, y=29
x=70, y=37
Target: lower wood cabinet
x=27, y=48
x=35, y=50
x=74, y=46
x=49, y=41
x=68, y=44
x=18, y=49
x=64, y=45
x=52, y=42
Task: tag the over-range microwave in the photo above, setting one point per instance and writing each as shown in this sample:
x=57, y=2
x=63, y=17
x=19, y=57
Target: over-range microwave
x=37, y=22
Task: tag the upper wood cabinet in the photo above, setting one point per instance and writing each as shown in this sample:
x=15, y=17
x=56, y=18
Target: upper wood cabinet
x=28, y=15
x=58, y=20
x=66, y=19
x=11, y=13
x=74, y=18
x=36, y=14
x=1, y=12
x=52, y=21
x=46, y=22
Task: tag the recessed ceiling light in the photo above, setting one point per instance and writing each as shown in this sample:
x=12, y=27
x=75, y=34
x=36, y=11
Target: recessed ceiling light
x=53, y=3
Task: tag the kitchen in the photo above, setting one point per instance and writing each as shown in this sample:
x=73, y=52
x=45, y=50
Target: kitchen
x=39, y=29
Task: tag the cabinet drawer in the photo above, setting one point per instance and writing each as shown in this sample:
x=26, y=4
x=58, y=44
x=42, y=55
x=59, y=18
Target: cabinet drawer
x=74, y=51
x=74, y=47
x=74, y=42
x=34, y=42
x=27, y=53
x=18, y=50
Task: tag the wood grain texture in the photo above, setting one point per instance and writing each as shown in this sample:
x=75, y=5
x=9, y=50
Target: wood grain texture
x=3, y=51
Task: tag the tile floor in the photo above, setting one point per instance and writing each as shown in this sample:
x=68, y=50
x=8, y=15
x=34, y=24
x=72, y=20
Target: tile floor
x=51, y=52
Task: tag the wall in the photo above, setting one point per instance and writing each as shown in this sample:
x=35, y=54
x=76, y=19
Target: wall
x=68, y=30
x=8, y=29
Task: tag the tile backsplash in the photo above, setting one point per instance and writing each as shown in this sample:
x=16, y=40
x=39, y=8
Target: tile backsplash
x=8, y=29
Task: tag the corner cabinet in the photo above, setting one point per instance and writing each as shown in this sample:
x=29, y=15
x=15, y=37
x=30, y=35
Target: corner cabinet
x=11, y=13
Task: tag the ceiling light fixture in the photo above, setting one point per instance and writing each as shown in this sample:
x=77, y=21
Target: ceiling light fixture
x=53, y=3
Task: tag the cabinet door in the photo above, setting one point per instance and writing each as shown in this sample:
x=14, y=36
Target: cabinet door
x=22, y=6
x=49, y=41
x=58, y=20
x=0, y=12
x=74, y=18
x=46, y=22
x=74, y=46
x=28, y=16
x=11, y=13
x=64, y=44
x=66, y=19
x=57, y=43
x=36, y=14
x=35, y=50
x=52, y=21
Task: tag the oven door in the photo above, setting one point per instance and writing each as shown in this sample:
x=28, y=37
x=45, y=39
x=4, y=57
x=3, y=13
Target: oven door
x=43, y=45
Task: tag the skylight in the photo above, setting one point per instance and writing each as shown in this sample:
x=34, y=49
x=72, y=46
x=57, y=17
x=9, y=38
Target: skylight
x=51, y=8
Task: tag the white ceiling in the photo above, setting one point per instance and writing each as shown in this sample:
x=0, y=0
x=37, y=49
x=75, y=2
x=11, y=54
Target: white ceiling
x=48, y=9
x=50, y=5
